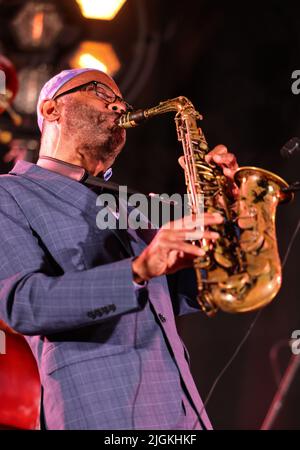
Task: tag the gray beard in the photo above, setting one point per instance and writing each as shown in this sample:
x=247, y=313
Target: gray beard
x=92, y=134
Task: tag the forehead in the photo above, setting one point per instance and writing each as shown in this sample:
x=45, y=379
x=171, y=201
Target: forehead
x=85, y=77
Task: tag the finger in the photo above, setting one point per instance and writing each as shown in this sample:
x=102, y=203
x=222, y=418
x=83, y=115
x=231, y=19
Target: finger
x=171, y=237
x=211, y=235
x=201, y=234
x=229, y=173
x=180, y=236
x=172, y=257
x=228, y=160
x=213, y=219
x=191, y=223
x=181, y=162
x=200, y=218
x=170, y=244
x=190, y=249
x=204, y=219
x=168, y=239
x=218, y=150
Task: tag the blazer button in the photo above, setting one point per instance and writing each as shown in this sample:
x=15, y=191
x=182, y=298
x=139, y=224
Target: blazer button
x=162, y=318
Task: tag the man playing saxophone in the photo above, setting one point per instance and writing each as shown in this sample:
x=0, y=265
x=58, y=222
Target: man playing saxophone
x=97, y=306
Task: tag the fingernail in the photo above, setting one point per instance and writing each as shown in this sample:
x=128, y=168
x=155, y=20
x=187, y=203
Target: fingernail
x=218, y=158
x=218, y=216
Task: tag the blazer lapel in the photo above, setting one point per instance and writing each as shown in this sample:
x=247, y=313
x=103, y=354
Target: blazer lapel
x=70, y=191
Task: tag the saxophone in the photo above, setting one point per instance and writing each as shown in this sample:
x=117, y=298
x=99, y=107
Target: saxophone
x=242, y=270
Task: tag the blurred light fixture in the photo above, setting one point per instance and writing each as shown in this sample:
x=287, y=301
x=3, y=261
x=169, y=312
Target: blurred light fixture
x=31, y=81
x=5, y=136
x=37, y=25
x=8, y=89
x=100, y=9
x=96, y=55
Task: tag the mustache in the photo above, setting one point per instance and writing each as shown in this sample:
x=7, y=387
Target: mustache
x=101, y=118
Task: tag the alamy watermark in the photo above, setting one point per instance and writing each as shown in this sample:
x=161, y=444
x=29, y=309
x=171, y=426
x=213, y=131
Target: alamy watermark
x=139, y=211
x=2, y=343
x=295, y=342
x=295, y=87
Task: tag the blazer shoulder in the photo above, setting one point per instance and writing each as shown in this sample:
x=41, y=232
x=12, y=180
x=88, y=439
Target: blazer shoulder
x=11, y=190
x=10, y=182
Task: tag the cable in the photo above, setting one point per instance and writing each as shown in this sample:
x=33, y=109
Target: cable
x=248, y=332
x=230, y=361
x=290, y=244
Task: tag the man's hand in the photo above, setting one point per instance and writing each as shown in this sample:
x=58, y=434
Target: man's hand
x=227, y=161
x=224, y=159
x=169, y=251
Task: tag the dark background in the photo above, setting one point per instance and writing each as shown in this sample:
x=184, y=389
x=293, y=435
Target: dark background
x=234, y=60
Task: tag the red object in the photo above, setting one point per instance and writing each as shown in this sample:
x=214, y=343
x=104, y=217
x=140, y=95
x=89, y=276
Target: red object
x=19, y=383
x=11, y=87
x=9, y=69
x=19, y=378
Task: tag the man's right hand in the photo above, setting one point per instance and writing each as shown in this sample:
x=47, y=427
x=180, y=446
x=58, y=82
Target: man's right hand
x=169, y=251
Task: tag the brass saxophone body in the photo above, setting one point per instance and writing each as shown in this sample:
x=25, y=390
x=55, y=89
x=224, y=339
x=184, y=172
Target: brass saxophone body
x=241, y=271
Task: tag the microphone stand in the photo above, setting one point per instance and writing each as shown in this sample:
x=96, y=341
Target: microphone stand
x=290, y=373
x=294, y=187
x=281, y=393
x=294, y=362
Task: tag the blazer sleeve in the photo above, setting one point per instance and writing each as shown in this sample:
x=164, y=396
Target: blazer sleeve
x=34, y=302
x=183, y=290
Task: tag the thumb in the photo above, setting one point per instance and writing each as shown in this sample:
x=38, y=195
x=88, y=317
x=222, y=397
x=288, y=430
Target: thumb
x=181, y=162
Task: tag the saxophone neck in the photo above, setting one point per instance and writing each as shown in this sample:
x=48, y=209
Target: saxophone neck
x=179, y=105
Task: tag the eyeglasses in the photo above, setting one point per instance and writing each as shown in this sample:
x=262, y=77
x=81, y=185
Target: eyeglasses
x=100, y=90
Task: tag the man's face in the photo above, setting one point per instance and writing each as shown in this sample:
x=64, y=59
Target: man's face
x=90, y=121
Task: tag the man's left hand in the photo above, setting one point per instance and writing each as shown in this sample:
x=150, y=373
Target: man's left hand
x=222, y=158
x=227, y=161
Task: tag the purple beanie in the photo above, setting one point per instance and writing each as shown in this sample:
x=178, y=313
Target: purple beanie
x=54, y=84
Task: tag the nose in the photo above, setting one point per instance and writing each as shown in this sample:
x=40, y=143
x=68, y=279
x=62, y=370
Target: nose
x=117, y=106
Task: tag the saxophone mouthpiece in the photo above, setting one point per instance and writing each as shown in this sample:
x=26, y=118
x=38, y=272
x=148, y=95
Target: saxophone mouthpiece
x=132, y=119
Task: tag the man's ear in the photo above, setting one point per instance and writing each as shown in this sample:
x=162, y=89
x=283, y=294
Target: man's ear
x=50, y=110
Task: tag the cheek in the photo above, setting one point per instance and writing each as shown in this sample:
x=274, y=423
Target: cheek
x=98, y=106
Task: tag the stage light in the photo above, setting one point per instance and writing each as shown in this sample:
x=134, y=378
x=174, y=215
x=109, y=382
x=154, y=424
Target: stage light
x=100, y=9
x=31, y=81
x=87, y=60
x=37, y=25
x=96, y=55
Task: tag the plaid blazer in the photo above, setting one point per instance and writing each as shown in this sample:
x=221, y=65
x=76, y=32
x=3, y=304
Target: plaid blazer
x=108, y=354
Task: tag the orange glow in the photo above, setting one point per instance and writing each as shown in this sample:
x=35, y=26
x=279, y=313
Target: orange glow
x=37, y=27
x=96, y=55
x=88, y=60
x=100, y=9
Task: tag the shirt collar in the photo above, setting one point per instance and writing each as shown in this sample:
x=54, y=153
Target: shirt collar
x=67, y=169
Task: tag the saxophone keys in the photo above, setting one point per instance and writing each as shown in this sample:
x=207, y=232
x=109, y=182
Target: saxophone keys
x=251, y=240
x=235, y=282
x=202, y=262
x=207, y=304
x=222, y=259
